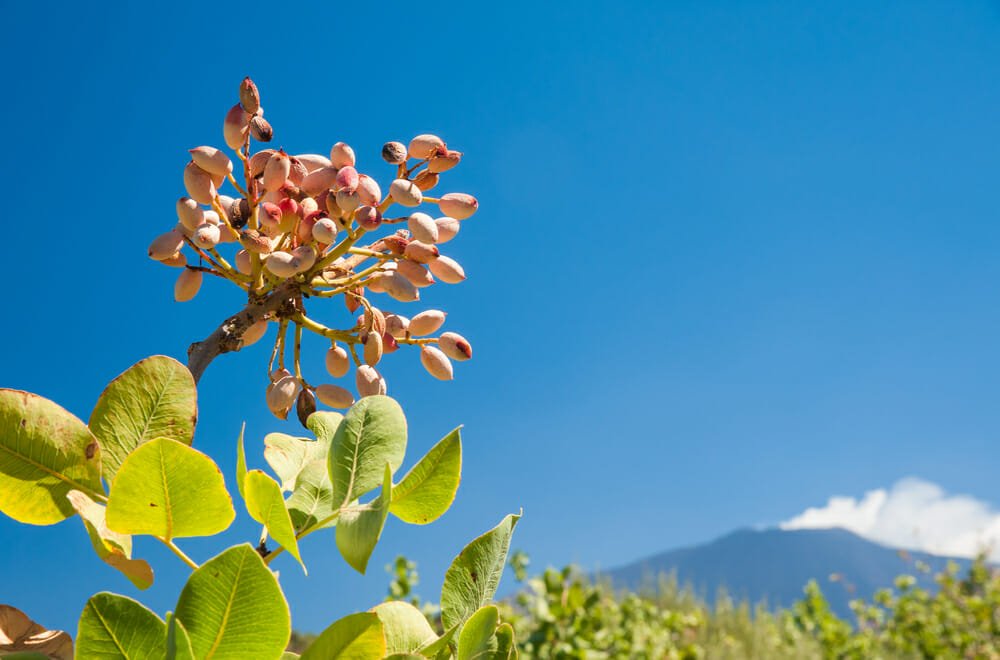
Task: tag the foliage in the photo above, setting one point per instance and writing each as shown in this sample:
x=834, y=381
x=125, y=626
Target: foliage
x=565, y=614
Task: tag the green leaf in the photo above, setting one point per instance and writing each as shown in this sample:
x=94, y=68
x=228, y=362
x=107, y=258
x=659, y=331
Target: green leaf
x=429, y=488
x=167, y=489
x=440, y=644
x=178, y=642
x=372, y=434
x=113, y=548
x=324, y=425
x=360, y=526
x=113, y=626
x=233, y=608
x=355, y=637
x=473, y=576
x=312, y=500
x=506, y=647
x=406, y=629
x=154, y=398
x=241, y=461
x=45, y=452
x=266, y=505
x=288, y=455
x=478, y=637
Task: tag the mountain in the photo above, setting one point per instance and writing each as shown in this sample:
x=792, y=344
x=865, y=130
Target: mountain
x=774, y=565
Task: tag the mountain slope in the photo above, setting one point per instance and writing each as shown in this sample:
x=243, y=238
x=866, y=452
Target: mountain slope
x=774, y=565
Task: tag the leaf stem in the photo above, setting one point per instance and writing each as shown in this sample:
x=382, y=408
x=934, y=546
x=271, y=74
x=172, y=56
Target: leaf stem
x=180, y=553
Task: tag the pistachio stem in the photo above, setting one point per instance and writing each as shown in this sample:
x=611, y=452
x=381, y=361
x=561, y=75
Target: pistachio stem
x=322, y=330
x=298, y=351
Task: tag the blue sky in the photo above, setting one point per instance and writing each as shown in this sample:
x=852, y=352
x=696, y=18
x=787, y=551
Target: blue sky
x=731, y=258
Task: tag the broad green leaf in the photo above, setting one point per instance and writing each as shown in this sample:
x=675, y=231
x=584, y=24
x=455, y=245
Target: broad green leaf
x=266, y=505
x=233, y=608
x=241, y=461
x=167, y=489
x=324, y=425
x=45, y=452
x=360, y=526
x=429, y=488
x=20, y=637
x=405, y=628
x=312, y=500
x=113, y=548
x=506, y=646
x=113, y=627
x=440, y=644
x=288, y=655
x=478, y=637
x=355, y=637
x=154, y=398
x=473, y=576
x=178, y=642
x=372, y=433
x=287, y=455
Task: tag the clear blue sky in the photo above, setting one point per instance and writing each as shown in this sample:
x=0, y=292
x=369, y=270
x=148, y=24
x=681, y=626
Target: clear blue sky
x=731, y=257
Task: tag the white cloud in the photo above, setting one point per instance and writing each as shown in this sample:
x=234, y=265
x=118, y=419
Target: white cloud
x=914, y=514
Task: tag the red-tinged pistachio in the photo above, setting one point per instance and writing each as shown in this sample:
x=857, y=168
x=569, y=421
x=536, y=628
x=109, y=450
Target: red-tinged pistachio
x=396, y=325
x=239, y=213
x=261, y=129
x=405, y=192
x=276, y=171
x=377, y=323
x=305, y=405
x=352, y=299
x=298, y=171
x=281, y=396
x=259, y=161
x=368, y=217
x=211, y=160
x=198, y=184
x=389, y=344
x=253, y=334
x=270, y=217
x=400, y=288
x=394, y=153
x=373, y=348
x=376, y=282
x=206, y=236
x=447, y=228
x=249, y=96
x=337, y=361
x=166, y=245
x=342, y=155
x=422, y=227
x=306, y=255
x=347, y=201
x=234, y=128
x=211, y=217
x=396, y=243
x=313, y=162
x=225, y=201
x=334, y=396
x=369, y=381
x=189, y=213
x=368, y=190
x=187, y=285
x=417, y=274
x=304, y=231
x=426, y=180
x=308, y=205
x=444, y=162
x=283, y=264
x=425, y=146
x=325, y=231
x=319, y=180
x=436, y=363
x=347, y=179
x=427, y=322
x=455, y=346
x=291, y=213
x=447, y=270
x=458, y=205
x=177, y=260
x=243, y=262
x=255, y=242
x=422, y=253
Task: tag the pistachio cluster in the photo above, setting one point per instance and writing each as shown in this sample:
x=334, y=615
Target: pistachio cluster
x=301, y=226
